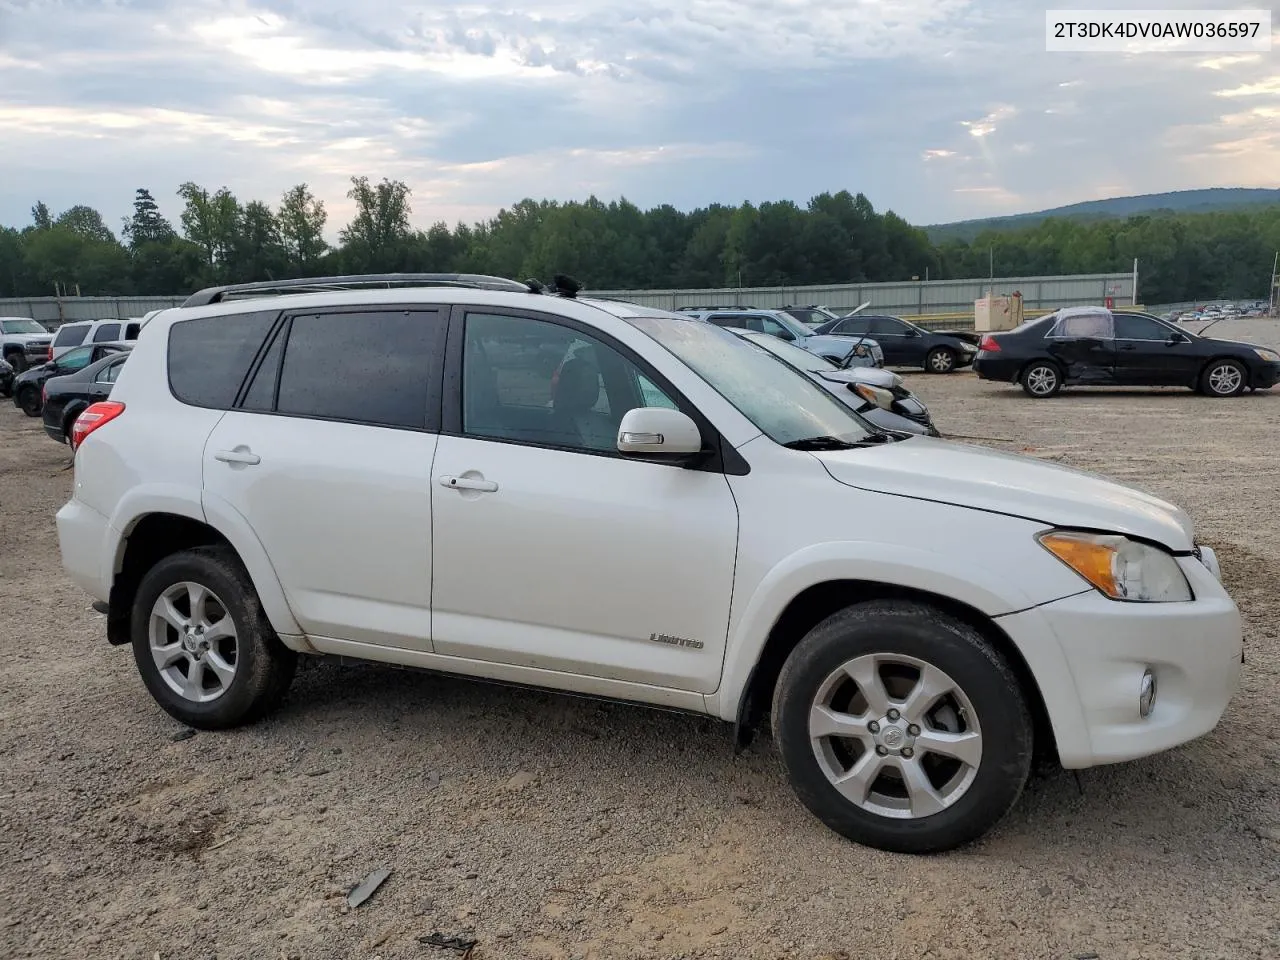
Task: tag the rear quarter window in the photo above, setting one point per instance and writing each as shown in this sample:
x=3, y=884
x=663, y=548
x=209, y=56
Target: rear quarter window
x=209, y=357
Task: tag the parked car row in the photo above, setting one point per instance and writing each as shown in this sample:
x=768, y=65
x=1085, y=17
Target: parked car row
x=29, y=386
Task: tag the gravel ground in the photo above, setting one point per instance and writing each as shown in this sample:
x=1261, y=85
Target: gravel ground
x=544, y=826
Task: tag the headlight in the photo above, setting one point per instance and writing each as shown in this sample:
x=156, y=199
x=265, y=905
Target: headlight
x=1268, y=355
x=1121, y=568
x=880, y=397
x=859, y=351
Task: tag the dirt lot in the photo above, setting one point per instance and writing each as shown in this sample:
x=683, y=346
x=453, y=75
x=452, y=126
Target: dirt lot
x=551, y=827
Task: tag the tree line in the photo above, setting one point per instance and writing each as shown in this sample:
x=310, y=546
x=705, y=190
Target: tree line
x=834, y=238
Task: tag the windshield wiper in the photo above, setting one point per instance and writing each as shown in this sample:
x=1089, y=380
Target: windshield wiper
x=835, y=443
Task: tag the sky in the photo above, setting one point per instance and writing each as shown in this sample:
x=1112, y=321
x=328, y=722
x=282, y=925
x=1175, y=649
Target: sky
x=937, y=109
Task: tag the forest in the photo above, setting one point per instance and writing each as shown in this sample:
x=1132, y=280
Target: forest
x=834, y=238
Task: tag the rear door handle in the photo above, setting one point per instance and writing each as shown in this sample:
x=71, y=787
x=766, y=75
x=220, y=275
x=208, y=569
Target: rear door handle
x=238, y=455
x=468, y=483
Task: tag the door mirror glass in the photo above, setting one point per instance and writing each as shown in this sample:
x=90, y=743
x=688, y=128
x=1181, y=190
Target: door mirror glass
x=1176, y=338
x=660, y=431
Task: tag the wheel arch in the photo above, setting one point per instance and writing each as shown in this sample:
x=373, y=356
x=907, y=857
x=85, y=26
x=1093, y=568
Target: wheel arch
x=69, y=413
x=1218, y=358
x=817, y=602
x=152, y=535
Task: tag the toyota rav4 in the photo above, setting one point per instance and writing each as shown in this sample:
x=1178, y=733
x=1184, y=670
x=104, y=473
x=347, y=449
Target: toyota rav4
x=680, y=519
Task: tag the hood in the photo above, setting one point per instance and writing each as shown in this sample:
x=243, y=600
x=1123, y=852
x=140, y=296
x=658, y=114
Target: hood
x=1239, y=343
x=972, y=476
x=28, y=337
x=875, y=376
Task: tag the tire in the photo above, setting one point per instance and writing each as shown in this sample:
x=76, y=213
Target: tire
x=17, y=360
x=261, y=667
x=1223, y=378
x=1041, y=379
x=29, y=401
x=940, y=360
x=985, y=700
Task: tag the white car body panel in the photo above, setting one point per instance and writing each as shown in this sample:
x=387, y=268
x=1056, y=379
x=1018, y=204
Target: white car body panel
x=560, y=577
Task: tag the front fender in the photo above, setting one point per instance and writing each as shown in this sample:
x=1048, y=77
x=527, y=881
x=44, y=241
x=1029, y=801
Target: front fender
x=877, y=562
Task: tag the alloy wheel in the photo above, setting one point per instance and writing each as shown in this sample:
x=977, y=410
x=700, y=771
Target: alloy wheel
x=1225, y=379
x=193, y=641
x=1042, y=380
x=895, y=736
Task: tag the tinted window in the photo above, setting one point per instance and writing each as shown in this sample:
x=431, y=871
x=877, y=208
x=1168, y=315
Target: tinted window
x=70, y=335
x=131, y=331
x=106, y=333
x=261, y=395
x=533, y=381
x=209, y=357
x=886, y=327
x=373, y=367
x=1130, y=327
x=859, y=326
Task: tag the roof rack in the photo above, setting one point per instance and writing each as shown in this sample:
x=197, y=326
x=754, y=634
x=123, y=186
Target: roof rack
x=716, y=306
x=240, y=291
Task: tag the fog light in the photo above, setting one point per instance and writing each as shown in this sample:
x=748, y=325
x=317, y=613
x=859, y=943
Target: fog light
x=1147, y=694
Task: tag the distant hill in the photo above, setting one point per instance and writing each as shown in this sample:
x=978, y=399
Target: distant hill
x=1180, y=201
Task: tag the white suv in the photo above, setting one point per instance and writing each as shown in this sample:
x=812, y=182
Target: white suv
x=681, y=520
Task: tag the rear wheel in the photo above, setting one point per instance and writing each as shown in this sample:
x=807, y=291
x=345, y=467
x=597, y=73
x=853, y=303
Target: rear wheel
x=203, y=644
x=29, y=401
x=940, y=360
x=1223, y=378
x=901, y=728
x=1041, y=379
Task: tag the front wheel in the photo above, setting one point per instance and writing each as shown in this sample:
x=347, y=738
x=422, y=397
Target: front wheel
x=901, y=728
x=29, y=401
x=940, y=360
x=203, y=645
x=1223, y=378
x=1041, y=380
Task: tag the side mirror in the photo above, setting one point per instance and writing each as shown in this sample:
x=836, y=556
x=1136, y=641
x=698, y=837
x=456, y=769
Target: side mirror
x=658, y=431
x=911, y=332
x=786, y=335
x=1176, y=338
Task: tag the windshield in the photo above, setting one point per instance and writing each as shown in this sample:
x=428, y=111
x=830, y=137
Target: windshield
x=21, y=325
x=782, y=402
x=795, y=326
x=799, y=358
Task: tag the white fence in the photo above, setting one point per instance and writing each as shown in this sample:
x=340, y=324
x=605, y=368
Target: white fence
x=54, y=311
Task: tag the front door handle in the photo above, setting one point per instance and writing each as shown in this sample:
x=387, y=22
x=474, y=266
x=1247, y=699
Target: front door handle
x=468, y=483
x=238, y=455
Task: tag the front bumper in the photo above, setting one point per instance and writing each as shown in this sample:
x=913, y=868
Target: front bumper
x=1194, y=649
x=1266, y=375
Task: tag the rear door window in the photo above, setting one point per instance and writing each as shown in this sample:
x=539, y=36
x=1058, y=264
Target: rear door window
x=70, y=334
x=375, y=367
x=209, y=357
x=106, y=333
x=860, y=326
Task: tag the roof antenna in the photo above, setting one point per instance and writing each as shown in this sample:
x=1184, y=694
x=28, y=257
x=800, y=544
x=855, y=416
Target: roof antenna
x=566, y=286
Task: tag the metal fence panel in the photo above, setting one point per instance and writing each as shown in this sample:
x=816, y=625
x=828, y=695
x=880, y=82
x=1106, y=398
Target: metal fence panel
x=54, y=311
x=904, y=297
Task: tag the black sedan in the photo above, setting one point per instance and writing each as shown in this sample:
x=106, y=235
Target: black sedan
x=66, y=397
x=905, y=344
x=28, y=387
x=1092, y=346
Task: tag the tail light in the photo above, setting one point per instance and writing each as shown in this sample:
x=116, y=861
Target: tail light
x=51, y=352
x=990, y=344
x=44, y=393
x=95, y=415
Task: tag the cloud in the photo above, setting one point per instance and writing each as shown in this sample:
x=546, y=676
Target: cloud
x=938, y=109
